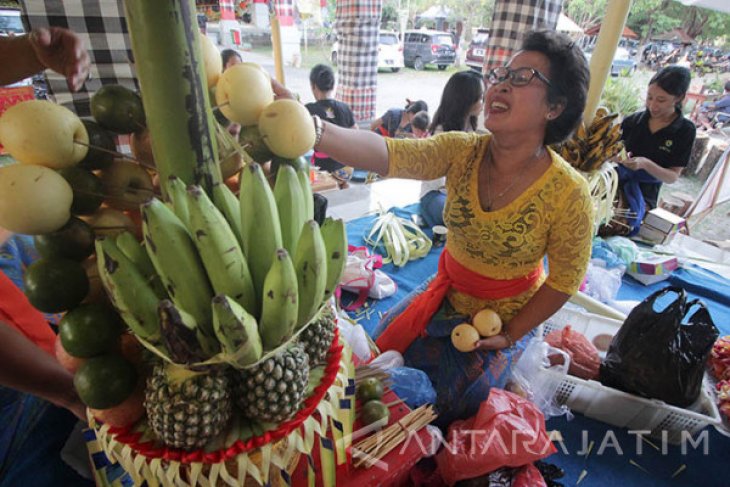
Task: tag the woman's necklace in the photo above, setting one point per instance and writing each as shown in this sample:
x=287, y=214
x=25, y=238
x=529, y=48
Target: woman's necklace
x=491, y=200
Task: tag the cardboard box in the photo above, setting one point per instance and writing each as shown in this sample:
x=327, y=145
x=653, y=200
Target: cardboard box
x=648, y=279
x=650, y=234
x=664, y=221
x=651, y=264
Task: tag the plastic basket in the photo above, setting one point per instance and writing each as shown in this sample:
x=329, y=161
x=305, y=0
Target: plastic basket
x=618, y=408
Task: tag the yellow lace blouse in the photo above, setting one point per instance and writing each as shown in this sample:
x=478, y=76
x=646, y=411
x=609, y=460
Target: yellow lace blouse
x=553, y=216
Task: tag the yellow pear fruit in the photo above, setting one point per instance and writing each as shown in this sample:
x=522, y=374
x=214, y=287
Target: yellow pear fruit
x=211, y=59
x=43, y=133
x=33, y=199
x=464, y=337
x=242, y=93
x=287, y=128
x=487, y=322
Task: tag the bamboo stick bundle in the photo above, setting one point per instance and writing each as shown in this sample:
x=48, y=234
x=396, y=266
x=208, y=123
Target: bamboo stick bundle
x=373, y=448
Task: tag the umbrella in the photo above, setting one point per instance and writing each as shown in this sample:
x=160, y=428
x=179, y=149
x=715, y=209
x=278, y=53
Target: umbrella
x=719, y=5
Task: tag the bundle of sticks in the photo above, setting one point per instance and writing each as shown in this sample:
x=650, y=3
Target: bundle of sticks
x=373, y=448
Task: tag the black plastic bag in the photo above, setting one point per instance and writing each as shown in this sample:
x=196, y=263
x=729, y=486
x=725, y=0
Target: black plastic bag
x=661, y=354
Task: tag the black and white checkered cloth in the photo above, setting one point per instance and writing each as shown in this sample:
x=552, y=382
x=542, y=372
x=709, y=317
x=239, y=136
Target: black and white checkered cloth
x=101, y=26
x=511, y=20
x=357, y=27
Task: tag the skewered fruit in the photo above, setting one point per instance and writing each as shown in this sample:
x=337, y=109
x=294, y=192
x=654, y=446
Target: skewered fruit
x=317, y=337
x=374, y=411
x=55, y=285
x=101, y=147
x=88, y=193
x=185, y=408
x=253, y=144
x=108, y=221
x=287, y=129
x=369, y=389
x=43, y=133
x=274, y=390
x=67, y=361
x=33, y=199
x=74, y=240
x=464, y=337
x=105, y=381
x=126, y=185
x=243, y=91
x=90, y=330
x=211, y=59
x=487, y=322
x=127, y=412
x=118, y=109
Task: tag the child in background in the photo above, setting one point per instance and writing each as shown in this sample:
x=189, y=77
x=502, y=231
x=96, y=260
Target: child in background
x=230, y=58
x=397, y=121
x=419, y=125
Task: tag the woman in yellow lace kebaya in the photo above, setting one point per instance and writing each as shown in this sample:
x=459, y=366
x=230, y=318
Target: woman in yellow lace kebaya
x=511, y=201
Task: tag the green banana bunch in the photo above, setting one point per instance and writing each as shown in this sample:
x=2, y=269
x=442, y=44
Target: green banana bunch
x=290, y=204
x=303, y=175
x=227, y=203
x=128, y=289
x=280, y=301
x=310, y=264
x=259, y=224
x=236, y=330
x=183, y=340
x=177, y=262
x=219, y=250
x=134, y=251
x=176, y=193
x=335, y=243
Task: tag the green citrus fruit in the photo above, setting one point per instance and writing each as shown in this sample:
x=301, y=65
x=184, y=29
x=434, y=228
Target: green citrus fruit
x=105, y=381
x=90, y=330
x=374, y=411
x=98, y=139
x=74, y=240
x=55, y=285
x=368, y=389
x=87, y=189
x=118, y=109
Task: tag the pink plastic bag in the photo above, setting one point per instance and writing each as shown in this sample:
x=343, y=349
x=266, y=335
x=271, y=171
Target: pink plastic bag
x=584, y=360
x=508, y=431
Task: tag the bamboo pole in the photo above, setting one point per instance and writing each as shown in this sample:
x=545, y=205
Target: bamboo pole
x=611, y=29
x=276, y=44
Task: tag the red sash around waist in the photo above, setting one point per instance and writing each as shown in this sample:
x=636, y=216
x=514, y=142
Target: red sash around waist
x=16, y=311
x=412, y=323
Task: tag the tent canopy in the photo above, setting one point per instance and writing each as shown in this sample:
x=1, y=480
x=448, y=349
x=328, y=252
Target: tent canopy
x=719, y=5
x=566, y=24
x=627, y=33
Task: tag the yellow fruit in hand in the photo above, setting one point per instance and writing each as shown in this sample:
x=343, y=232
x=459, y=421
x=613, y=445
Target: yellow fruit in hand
x=464, y=337
x=487, y=322
x=212, y=60
x=287, y=128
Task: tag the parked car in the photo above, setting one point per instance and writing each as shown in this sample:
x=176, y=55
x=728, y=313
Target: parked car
x=477, y=47
x=622, y=65
x=10, y=23
x=423, y=47
x=390, y=51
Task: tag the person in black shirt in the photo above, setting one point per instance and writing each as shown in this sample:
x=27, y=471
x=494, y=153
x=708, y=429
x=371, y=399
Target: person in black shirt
x=658, y=141
x=396, y=122
x=322, y=81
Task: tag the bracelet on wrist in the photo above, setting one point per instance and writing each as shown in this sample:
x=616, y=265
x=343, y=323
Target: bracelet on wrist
x=510, y=341
x=318, y=129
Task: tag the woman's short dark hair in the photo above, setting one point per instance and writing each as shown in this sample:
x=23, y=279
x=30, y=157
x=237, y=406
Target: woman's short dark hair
x=569, y=78
x=322, y=77
x=416, y=106
x=461, y=92
x=227, y=54
x=420, y=121
x=674, y=80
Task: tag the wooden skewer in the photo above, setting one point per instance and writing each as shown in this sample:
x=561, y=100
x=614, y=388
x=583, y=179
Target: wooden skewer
x=120, y=155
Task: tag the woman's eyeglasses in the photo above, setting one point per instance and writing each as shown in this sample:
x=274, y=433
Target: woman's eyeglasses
x=517, y=77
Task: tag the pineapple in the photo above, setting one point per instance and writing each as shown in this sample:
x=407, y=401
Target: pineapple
x=318, y=336
x=185, y=408
x=273, y=390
